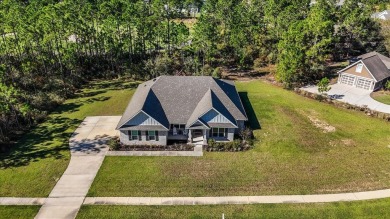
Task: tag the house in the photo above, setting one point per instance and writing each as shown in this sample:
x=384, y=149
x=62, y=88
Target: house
x=182, y=108
x=383, y=15
x=369, y=72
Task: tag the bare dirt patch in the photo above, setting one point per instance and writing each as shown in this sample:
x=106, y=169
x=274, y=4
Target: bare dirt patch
x=324, y=126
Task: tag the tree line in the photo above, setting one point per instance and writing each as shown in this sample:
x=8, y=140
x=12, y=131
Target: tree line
x=49, y=48
x=299, y=36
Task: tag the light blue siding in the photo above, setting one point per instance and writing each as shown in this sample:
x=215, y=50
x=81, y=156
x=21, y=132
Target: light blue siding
x=214, y=117
x=142, y=119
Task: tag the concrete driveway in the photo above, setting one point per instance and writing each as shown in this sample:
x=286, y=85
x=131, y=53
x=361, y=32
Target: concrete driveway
x=88, y=148
x=352, y=95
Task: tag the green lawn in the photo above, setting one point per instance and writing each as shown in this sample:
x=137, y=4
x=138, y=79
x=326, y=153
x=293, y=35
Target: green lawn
x=381, y=96
x=367, y=209
x=42, y=155
x=18, y=212
x=292, y=155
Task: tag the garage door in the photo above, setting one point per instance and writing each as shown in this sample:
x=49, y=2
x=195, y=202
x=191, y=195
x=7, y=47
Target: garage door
x=346, y=79
x=363, y=83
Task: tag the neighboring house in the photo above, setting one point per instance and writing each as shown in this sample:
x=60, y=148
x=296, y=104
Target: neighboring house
x=182, y=108
x=384, y=15
x=369, y=72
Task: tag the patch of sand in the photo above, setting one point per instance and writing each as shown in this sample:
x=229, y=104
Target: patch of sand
x=324, y=126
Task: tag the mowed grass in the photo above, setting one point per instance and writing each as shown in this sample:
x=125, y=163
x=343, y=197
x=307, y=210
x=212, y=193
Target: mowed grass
x=382, y=96
x=18, y=212
x=366, y=209
x=38, y=160
x=291, y=155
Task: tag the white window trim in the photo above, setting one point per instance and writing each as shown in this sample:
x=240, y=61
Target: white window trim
x=224, y=132
x=131, y=135
x=152, y=135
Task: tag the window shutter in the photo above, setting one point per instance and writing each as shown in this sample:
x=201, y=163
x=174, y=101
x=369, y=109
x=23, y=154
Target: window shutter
x=147, y=135
x=156, y=135
x=226, y=132
x=129, y=135
x=139, y=136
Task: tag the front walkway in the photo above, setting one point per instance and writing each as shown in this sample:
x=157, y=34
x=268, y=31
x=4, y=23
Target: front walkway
x=352, y=95
x=87, y=147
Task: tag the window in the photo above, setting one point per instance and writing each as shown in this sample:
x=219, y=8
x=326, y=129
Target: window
x=134, y=135
x=359, y=68
x=152, y=136
x=178, y=129
x=218, y=132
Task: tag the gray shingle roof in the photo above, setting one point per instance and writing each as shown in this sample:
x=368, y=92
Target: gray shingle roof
x=377, y=64
x=174, y=99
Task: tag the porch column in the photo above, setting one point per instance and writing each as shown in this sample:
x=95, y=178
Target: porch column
x=190, y=135
x=204, y=137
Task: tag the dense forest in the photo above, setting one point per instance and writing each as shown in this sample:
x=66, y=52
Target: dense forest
x=49, y=48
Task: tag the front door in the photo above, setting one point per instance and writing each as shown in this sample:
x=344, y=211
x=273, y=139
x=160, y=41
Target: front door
x=197, y=133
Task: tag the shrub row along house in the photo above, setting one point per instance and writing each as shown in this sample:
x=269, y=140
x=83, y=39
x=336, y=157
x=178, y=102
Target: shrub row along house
x=369, y=72
x=182, y=108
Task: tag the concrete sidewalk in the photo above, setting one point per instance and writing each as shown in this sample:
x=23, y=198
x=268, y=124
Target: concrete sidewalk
x=278, y=199
x=351, y=95
x=88, y=148
x=67, y=207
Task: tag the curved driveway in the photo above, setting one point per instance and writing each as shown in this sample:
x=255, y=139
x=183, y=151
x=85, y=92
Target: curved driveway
x=352, y=95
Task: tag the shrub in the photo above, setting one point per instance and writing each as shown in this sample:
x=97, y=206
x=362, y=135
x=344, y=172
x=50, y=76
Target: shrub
x=217, y=73
x=387, y=85
x=114, y=144
x=207, y=70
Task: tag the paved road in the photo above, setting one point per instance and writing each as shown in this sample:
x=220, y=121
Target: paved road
x=87, y=146
x=352, y=95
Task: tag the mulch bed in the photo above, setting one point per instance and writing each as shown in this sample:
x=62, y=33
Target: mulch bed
x=175, y=147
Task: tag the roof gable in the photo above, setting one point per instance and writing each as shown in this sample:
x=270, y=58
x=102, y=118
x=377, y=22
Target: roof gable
x=142, y=119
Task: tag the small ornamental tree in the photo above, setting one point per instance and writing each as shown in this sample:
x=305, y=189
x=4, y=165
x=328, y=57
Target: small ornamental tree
x=323, y=86
x=387, y=85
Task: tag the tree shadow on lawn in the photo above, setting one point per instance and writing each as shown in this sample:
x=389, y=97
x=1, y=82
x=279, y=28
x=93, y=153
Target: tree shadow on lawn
x=74, y=107
x=250, y=112
x=114, y=85
x=48, y=140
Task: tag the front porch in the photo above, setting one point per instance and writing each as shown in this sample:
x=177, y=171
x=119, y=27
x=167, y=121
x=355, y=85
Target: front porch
x=192, y=136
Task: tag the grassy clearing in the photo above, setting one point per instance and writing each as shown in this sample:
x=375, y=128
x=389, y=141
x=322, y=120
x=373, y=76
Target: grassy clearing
x=382, y=96
x=292, y=155
x=18, y=212
x=367, y=209
x=34, y=165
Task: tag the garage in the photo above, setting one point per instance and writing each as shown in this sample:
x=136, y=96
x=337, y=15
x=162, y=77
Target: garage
x=364, y=83
x=347, y=79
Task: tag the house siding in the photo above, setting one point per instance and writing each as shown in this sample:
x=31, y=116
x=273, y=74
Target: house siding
x=162, y=138
x=352, y=70
x=142, y=119
x=214, y=117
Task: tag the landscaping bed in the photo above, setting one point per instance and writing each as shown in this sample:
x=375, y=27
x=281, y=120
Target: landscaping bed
x=381, y=96
x=115, y=145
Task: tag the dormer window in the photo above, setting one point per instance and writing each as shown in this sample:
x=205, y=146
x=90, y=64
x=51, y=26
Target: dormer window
x=359, y=68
